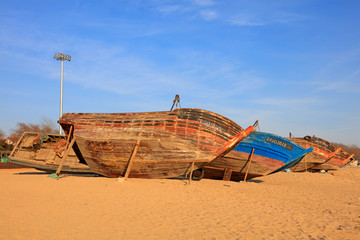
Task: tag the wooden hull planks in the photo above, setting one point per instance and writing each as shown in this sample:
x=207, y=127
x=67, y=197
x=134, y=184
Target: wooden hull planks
x=40, y=151
x=324, y=157
x=271, y=153
x=335, y=162
x=169, y=141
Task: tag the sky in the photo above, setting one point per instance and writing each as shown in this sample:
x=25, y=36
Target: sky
x=292, y=65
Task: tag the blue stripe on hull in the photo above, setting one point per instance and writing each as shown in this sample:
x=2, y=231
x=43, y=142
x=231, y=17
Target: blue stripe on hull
x=274, y=147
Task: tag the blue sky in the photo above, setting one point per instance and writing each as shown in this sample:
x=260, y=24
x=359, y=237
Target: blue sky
x=292, y=65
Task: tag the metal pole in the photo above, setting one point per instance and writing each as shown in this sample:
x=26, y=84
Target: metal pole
x=62, y=57
x=61, y=92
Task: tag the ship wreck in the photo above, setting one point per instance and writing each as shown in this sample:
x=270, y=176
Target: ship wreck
x=161, y=144
x=46, y=152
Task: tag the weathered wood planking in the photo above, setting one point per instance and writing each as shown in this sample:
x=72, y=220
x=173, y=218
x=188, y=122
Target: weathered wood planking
x=31, y=151
x=325, y=156
x=270, y=153
x=170, y=140
x=320, y=154
x=339, y=159
x=238, y=162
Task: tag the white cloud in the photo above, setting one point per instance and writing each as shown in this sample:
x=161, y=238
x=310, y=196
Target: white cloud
x=339, y=73
x=261, y=18
x=208, y=14
x=245, y=20
x=289, y=102
x=170, y=9
x=337, y=86
x=204, y=2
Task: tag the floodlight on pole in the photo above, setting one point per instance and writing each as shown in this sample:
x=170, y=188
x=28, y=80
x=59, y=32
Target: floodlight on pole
x=62, y=57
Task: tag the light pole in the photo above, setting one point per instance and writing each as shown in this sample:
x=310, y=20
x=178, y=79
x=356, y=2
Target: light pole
x=62, y=57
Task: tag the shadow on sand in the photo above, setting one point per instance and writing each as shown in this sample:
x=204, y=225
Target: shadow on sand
x=64, y=175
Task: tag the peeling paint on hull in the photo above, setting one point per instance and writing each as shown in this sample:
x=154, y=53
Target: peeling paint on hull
x=169, y=141
x=272, y=153
x=324, y=157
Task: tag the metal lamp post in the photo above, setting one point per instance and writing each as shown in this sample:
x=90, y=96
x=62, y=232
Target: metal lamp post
x=62, y=57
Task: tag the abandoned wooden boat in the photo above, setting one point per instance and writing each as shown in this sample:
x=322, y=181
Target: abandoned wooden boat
x=44, y=151
x=151, y=144
x=256, y=155
x=323, y=157
x=337, y=161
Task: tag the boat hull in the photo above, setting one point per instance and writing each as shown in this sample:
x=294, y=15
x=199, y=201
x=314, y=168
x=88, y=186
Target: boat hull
x=324, y=157
x=169, y=141
x=336, y=162
x=33, y=151
x=271, y=154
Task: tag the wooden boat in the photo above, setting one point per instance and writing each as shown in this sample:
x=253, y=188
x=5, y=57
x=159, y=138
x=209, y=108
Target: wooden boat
x=258, y=154
x=152, y=144
x=325, y=155
x=337, y=161
x=44, y=151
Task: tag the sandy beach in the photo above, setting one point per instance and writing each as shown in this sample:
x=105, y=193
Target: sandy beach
x=279, y=206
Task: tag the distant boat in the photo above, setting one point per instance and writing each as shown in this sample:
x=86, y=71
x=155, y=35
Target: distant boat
x=270, y=154
x=164, y=144
x=43, y=151
x=339, y=160
x=324, y=157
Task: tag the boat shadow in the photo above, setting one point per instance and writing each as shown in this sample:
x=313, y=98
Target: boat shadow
x=64, y=175
x=186, y=181
x=30, y=173
x=253, y=181
x=183, y=179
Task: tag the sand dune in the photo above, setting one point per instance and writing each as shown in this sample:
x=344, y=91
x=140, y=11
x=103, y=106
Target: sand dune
x=279, y=206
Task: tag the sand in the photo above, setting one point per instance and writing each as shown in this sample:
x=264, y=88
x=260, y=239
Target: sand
x=279, y=206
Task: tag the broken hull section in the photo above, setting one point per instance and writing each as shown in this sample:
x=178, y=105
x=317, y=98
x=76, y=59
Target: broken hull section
x=43, y=151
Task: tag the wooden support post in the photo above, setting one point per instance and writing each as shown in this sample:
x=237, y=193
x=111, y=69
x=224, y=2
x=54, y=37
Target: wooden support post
x=191, y=172
x=67, y=141
x=65, y=156
x=131, y=160
x=69, y=136
x=250, y=158
x=17, y=144
x=227, y=174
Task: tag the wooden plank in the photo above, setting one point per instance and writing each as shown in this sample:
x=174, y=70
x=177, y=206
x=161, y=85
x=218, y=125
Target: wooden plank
x=17, y=144
x=227, y=174
x=65, y=156
x=191, y=172
x=250, y=158
x=128, y=169
x=42, y=154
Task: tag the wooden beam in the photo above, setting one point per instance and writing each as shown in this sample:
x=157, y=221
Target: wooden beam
x=65, y=156
x=131, y=160
x=17, y=144
x=250, y=158
x=227, y=174
x=348, y=159
x=69, y=136
x=191, y=172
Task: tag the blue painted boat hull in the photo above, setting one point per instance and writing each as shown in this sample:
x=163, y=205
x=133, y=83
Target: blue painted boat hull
x=271, y=154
